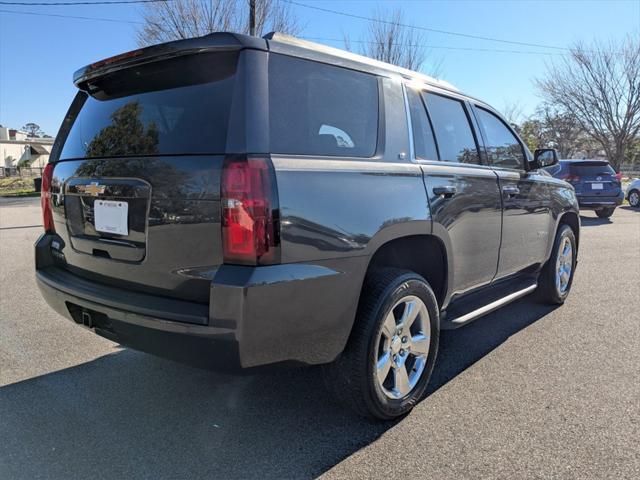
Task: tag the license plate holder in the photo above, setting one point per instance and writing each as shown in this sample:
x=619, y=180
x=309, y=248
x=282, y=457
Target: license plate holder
x=111, y=216
x=596, y=186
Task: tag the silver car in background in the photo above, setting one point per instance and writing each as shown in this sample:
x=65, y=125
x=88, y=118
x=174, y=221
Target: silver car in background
x=632, y=194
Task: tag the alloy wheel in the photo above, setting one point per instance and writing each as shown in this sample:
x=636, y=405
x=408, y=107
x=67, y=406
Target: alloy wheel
x=402, y=347
x=564, y=265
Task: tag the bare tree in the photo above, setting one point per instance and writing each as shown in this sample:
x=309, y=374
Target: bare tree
x=33, y=130
x=389, y=39
x=512, y=112
x=550, y=127
x=563, y=131
x=174, y=20
x=599, y=85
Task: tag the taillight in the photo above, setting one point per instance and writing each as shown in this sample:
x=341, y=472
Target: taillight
x=249, y=210
x=571, y=178
x=45, y=198
x=618, y=176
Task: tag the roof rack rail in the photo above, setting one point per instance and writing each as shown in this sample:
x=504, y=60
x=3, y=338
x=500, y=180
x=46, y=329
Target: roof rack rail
x=319, y=47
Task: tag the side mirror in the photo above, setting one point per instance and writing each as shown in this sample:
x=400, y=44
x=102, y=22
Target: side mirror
x=543, y=157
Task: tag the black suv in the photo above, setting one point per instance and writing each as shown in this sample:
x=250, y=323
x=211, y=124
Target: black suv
x=597, y=185
x=243, y=202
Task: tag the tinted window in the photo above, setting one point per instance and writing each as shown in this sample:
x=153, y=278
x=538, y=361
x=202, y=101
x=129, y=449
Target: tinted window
x=423, y=141
x=503, y=148
x=318, y=109
x=171, y=107
x=453, y=132
x=591, y=168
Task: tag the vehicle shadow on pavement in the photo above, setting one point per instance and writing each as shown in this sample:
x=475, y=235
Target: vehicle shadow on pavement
x=629, y=208
x=131, y=415
x=594, y=221
x=461, y=348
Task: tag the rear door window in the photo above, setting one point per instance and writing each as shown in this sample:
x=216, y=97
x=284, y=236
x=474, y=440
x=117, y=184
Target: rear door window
x=503, y=148
x=319, y=109
x=424, y=143
x=456, y=142
x=177, y=106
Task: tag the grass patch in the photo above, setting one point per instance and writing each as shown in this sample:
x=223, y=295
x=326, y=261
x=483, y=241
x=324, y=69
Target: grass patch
x=17, y=187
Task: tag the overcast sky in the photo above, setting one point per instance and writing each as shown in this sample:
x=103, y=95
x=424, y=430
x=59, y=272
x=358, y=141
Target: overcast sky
x=38, y=54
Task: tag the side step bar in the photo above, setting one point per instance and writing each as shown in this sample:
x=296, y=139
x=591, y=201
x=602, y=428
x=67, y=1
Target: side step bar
x=459, y=321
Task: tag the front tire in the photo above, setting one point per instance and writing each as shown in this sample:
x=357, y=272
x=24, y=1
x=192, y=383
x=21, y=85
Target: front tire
x=556, y=278
x=385, y=367
x=634, y=198
x=605, y=212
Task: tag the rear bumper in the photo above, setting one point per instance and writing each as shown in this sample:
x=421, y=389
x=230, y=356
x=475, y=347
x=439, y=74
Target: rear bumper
x=596, y=202
x=293, y=313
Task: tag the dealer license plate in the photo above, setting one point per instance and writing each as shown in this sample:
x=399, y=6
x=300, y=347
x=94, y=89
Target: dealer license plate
x=111, y=216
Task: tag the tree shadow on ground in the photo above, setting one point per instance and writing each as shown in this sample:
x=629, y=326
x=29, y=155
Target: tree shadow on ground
x=131, y=415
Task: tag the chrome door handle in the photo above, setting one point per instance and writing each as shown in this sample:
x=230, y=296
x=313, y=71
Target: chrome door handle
x=510, y=190
x=445, y=190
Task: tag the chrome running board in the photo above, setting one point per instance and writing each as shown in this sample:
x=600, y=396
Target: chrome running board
x=488, y=308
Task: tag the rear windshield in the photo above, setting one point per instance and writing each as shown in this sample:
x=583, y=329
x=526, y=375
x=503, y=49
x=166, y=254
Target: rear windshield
x=177, y=106
x=591, y=168
x=319, y=109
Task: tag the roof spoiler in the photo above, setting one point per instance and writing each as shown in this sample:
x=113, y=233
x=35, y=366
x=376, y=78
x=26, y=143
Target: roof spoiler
x=221, y=41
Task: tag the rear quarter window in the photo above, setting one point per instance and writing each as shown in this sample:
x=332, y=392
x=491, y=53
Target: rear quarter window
x=319, y=109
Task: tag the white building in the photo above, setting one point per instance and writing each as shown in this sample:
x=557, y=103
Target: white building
x=16, y=149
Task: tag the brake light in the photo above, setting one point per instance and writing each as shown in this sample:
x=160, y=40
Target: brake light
x=249, y=211
x=618, y=176
x=116, y=58
x=45, y=198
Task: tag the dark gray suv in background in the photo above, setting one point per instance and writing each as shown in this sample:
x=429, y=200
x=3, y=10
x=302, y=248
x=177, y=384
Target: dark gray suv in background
x=242, y=202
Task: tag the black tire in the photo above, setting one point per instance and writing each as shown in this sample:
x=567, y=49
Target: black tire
x=352, y=377
x=548, y=292
x=605, y=212
x=634, y=198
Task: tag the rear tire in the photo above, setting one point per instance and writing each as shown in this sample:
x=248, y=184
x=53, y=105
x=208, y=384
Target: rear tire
x=384, y=370
x=605, y=212
x=556, y=278
x=634, y=198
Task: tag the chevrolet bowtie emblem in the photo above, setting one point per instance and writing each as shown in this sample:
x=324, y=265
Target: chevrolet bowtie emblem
x=94, y=189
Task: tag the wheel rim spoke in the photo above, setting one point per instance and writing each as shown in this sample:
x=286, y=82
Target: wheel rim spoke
x=411, y=311
x=401, y=380
x=389, y=326
x=383, y=367
x=420, y=345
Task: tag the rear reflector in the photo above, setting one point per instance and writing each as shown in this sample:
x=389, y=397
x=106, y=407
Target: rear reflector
x=45, y=198
x=249, y=211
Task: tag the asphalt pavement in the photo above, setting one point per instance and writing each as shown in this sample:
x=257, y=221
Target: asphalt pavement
x=529, y=391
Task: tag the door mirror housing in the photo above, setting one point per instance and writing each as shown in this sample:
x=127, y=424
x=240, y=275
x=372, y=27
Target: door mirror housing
x=543, y=157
